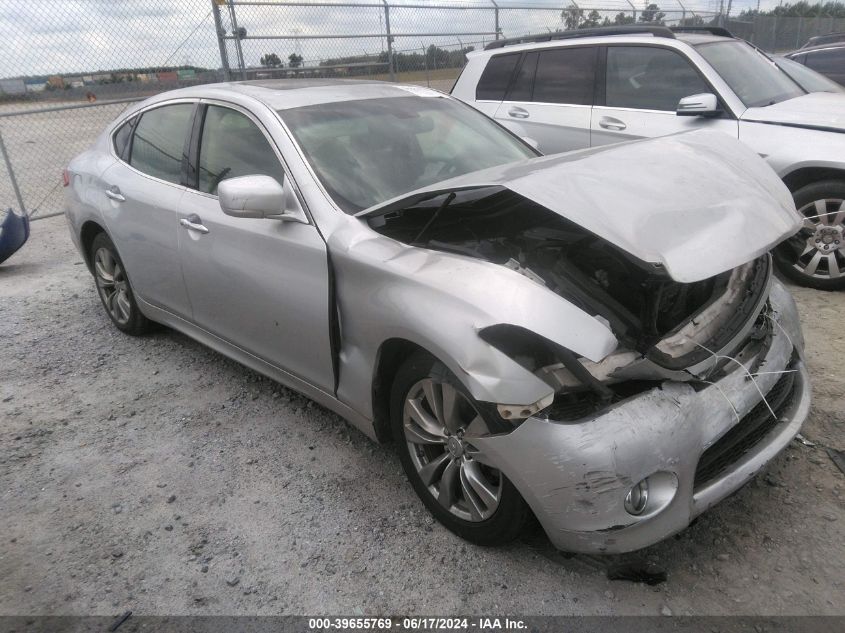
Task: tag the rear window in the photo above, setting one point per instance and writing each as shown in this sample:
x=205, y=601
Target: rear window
x=121, y=138
x=496, y=77
x=159, y=141
x=566, y=75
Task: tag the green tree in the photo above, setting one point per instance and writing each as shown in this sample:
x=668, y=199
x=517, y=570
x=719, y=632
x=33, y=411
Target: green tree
x=593, y=19
x=294, y=60
x=652, y=14
x=271, y=60
x=572, y=17
x=622, y=18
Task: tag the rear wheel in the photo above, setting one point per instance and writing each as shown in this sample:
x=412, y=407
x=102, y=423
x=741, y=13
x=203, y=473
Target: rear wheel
x=815, y=256
x=434, y=422
x=114, y=288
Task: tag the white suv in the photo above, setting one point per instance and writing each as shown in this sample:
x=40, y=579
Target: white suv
x=579, y=89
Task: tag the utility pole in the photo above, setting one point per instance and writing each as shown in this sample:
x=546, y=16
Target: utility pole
x=390, y=67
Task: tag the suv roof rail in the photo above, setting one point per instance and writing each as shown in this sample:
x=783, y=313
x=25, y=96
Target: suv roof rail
x=655, y=30
x=712, y=30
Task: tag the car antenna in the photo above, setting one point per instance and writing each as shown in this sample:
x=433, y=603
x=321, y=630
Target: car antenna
x=431, y=220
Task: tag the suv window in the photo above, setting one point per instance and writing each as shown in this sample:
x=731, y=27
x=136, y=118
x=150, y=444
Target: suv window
x=523, y=83
x=566, y=75
x=649, y=78
x=496, y=77
x=159, y=141
x=233, y=146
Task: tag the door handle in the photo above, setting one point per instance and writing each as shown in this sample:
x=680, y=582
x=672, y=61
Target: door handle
x=609, y=123
x=113, y=192
x=193, y=223
x=518, y=113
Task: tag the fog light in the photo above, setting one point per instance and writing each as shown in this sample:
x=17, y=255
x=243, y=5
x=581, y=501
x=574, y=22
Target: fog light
x=637, y=498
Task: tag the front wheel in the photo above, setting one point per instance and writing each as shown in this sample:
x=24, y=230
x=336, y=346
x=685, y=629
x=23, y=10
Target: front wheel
x=434, y=421
x=114, y=288
x=815, y=256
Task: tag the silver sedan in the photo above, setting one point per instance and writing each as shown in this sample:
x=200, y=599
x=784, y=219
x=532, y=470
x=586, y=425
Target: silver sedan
x=595, y=337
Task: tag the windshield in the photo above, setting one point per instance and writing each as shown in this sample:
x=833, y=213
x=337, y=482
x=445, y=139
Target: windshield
x=751, y=75
x=369, y=151
x=807, y=78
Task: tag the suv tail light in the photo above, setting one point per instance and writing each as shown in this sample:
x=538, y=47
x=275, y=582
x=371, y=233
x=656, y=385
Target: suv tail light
x=65, y=177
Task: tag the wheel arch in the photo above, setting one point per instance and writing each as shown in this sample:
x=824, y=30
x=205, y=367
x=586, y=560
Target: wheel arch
x=391, y=354
x=804, y=176
x=90, y=229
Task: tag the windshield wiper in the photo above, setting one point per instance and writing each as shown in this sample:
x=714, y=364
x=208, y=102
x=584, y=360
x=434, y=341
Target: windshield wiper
x=431, y=220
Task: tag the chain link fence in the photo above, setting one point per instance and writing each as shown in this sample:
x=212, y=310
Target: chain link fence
x=68, y=68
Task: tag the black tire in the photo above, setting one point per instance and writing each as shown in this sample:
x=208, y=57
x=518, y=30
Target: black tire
x=126, y=316
x=790, y=256
x=511, y=515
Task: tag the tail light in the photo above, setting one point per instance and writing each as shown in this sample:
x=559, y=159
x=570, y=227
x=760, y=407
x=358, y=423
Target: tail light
x=65, y=177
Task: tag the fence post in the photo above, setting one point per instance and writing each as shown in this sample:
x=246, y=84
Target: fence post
x=633, y=9
x=390, y=67
x=237, y=33
x=218, y=27
x=496, y=18
x=11, y=171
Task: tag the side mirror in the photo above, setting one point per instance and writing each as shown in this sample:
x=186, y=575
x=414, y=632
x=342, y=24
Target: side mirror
x=532, y=142
x=259, y=197
x=705, y=104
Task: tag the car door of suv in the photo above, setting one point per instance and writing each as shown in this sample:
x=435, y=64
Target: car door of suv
x=550, y=98
x=639, y=94
x=143, y=189
x=260, y=284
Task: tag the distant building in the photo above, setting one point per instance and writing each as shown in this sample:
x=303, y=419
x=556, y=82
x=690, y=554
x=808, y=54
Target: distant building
x=12, y=86
x=74, y=82
x=56, y=81
x=169, y=75
x=186, y=73
x=36, y=85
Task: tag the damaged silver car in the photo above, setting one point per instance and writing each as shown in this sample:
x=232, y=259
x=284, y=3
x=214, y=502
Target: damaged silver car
x=595, y=337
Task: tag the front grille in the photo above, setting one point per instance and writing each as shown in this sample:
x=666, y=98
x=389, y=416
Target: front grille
x=747, y=432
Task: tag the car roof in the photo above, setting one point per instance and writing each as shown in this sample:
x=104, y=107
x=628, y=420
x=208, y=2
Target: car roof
x=283, y=94
x=819, y=47
x=692, y=39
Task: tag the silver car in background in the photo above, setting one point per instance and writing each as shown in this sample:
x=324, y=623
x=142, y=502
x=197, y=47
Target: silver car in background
x=595, y=338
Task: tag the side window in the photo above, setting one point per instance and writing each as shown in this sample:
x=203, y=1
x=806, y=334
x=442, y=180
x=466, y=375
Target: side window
x=649, y=78
x=496, y=77
x=159, y=141
x=523, y=83
x=231, y=146
x=828, y=62
x=121, y=138
x=566, y=75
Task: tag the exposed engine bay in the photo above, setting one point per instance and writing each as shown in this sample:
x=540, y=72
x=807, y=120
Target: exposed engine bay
x=664, y=327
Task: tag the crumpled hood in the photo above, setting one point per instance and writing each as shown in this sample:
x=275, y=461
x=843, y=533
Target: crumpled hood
x=817, y=111
x=698, y=203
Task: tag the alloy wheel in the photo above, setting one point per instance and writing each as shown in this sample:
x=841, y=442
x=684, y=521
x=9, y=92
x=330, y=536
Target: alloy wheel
x=439, y=424
x=112, y=285
x=821, y=243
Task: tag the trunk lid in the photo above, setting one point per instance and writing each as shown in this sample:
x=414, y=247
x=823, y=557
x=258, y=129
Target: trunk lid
x=698, y=203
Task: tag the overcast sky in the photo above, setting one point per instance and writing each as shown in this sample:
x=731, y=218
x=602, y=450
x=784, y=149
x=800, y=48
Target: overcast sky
x=49, y=36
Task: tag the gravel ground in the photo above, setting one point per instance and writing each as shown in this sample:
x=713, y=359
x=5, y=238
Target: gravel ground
x=153, y=474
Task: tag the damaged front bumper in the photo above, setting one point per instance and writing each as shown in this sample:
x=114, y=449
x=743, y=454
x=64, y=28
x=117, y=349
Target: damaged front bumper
x=696, y=446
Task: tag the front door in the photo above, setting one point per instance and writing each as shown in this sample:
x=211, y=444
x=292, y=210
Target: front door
x=643, y=85
x=260, y=284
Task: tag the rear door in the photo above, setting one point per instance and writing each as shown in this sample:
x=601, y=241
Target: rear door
x=260, y=284
x=550, y=98
x=639, y=94
x=144, y=189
